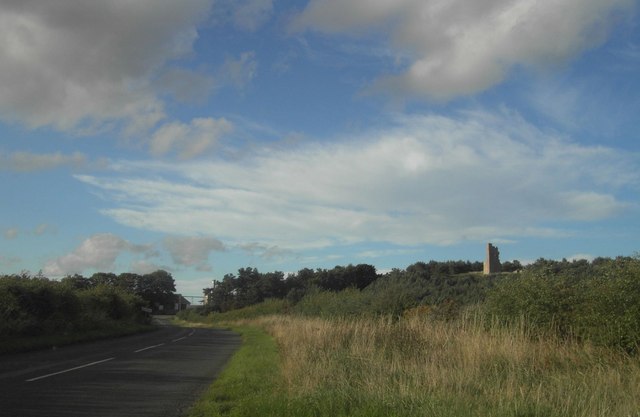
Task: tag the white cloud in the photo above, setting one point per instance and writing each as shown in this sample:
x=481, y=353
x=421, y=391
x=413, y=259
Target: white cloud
x=98, y=252
x=144, y=266
x=74, y=66
x=251, y=14
x=428, y=179
x=192, y=251
x=247, y=15
x=185, y=85
x=193, y=288
x=31, y=162
x=461, y=47
x=189, y=140
x=268, y=252
x=43, y=228
x=239, y=72
x=11, y=233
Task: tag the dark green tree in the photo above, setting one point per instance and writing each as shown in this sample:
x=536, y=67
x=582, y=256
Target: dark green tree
x=77, y=282
x=157, y=288
x=104, y=278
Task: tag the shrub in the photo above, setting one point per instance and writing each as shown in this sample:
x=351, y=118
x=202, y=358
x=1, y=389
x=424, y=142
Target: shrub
x=31, y=306
x=36, y=306
x=599, y=303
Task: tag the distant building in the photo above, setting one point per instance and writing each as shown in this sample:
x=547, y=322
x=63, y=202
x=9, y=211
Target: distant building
x=181, y=303
x=492, y=260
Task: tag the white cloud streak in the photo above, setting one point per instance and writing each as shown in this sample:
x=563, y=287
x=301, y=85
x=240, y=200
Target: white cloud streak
x=461, y=47
x=429, y=179
x=189, y=140
x=32, y=162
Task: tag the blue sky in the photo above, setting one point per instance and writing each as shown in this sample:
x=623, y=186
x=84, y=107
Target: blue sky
x=203, y=136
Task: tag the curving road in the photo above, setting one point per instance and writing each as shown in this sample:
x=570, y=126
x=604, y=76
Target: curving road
x=153, y=374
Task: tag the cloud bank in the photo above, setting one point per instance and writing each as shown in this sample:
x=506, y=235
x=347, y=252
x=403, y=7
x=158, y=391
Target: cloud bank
x=98, y=252
x=192, y=251
x=70, y=65
x=427, y=180
x=460, y=47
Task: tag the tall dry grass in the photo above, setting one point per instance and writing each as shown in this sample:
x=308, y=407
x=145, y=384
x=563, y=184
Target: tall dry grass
x=418, y=366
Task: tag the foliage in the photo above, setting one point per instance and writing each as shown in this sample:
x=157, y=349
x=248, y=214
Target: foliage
x=397, y=291
x=597, y=301
x=421, y=282
x=267, y=307
x=156, y=288
x=37, y=306
x=251, y=287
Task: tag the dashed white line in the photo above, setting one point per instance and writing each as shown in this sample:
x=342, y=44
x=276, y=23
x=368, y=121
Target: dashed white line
x=69, y=370
x=184, y=337
x=148, y=347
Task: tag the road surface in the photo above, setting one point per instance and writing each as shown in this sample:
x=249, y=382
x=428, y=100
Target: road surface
x=153, y=374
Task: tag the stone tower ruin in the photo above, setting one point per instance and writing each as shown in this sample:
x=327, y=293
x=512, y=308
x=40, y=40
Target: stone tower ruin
x=492, y=260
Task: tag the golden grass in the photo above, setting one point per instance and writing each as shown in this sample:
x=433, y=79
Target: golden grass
x=487, y=370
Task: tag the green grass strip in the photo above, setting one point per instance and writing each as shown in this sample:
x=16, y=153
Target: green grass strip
x=250, y=382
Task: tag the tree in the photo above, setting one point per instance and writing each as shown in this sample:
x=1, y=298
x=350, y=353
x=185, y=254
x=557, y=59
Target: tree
x=103, y=278
x=128, y=281
x=77, y=282
x=157, y=288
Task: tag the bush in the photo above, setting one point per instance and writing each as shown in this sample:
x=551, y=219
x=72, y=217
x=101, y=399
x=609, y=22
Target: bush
x=31, y=306
x=610, y=313
x=36, y=306
x=106, y=303
x=321, y=303
x=598, y=302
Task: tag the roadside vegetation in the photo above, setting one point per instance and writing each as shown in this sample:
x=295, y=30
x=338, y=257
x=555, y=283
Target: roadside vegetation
x=555, y=339
x=36, y=312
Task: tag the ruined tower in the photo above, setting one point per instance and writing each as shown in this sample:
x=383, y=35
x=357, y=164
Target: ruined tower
x=492, y=260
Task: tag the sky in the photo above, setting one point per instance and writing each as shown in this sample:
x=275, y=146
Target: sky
x=204, y=136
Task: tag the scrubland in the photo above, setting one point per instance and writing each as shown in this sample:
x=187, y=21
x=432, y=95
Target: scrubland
x=555, y=339
x=416, y=366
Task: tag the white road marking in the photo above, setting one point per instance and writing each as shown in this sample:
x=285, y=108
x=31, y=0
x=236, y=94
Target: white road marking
x=178, y=339
x=69, y=370
x=148, y=347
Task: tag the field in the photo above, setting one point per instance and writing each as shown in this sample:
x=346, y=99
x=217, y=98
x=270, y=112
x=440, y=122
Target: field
x=416, y=366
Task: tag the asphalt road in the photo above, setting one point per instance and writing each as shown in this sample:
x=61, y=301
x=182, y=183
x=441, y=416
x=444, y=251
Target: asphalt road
x=153, y=374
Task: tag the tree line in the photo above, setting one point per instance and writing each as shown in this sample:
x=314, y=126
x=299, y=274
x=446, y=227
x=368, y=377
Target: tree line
x=593, y=300
x=250, y=286
x=38, y=306
x=156, y=288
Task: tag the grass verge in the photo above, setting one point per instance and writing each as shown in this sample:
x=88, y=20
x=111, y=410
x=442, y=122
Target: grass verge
x=296, y=366
x=249, y=384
